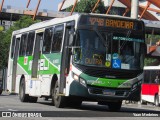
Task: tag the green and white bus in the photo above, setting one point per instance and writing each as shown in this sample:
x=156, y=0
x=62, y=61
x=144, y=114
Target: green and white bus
x=84, y=57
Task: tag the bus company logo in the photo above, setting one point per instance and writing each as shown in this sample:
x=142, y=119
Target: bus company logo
x=25, y=60
x=109, y=83
x=6, y=114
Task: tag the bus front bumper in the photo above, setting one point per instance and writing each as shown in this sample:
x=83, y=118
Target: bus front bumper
x=104, y=94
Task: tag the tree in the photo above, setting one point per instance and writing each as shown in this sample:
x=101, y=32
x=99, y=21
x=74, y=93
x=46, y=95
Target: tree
x=1, y=49
x=5, y=38
x=86, y=6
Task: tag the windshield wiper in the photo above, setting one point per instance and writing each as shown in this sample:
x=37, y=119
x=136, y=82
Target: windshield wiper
x=127, y=36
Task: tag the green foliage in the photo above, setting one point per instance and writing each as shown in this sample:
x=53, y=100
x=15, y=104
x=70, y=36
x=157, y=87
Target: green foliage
x=1, y=49
x=5, y=38
x=86, y=6
x=153, y=38
x=151, y=62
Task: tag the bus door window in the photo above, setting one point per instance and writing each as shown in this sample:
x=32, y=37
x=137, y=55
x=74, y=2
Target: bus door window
x=23, y=45
x=57, y=38
x=36, y=54
x=156, y=77
x=77, y=50
x=30, y=43
x=154, y=82
x=15, y=59
x=48, y=35
x=13, y=46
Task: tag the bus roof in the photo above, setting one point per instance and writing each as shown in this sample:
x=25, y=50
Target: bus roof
x=152, y=27
x=54, y=21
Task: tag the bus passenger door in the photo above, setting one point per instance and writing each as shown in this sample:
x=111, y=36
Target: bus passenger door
x=35, y=82
x=65, y=60
x=15, y=57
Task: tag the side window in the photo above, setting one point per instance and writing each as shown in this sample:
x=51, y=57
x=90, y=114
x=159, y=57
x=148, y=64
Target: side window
x=57, y=38
x=30, y=43
x=146, y=76
x=13, y=46
x=23, y=45
x=155, y=76
x=47, y=40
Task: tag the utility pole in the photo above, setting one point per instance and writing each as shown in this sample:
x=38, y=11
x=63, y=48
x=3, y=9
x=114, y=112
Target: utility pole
x=134, y=9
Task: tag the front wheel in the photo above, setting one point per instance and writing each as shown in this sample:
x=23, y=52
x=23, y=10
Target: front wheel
x=22, y=96
x=58, y=101
x=114, y=106
x=33, y=99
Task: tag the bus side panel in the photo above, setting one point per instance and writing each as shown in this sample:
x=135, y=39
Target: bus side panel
x=34, y=87
x=149, y=91
x=9, y=75
x=49, y=65
x=145, y=93
x=17, y=83
x=154, y=89
x=145, y=89
x=45, y=83
x=10, y=65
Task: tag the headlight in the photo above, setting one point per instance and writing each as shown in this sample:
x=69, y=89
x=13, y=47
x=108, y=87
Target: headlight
x=83, y=82
x=75, y=77
x=78, y=79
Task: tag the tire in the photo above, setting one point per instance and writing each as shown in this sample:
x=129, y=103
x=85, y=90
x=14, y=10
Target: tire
x=74, y=102
x=58, y=101
x=156, y=101
x=1, y=92
x=143, y=102
x=114, y=106
x=46, y=98
x=33, y=99
x=22, y=96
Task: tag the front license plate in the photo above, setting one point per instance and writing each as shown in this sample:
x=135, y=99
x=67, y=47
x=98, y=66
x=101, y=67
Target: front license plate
x=108, y=92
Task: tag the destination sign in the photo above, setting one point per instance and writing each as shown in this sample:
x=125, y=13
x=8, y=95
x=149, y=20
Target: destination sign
x=110, y=22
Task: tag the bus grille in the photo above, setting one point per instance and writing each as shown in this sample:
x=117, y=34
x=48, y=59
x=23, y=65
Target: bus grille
x=100, y=91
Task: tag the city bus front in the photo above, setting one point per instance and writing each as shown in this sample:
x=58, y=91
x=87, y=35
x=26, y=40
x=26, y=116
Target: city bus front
x=108, y=60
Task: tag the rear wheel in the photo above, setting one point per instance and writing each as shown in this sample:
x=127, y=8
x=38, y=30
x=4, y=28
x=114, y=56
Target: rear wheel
x=22, y=96
x=156, y=100
x=59, y=101
x=114, y=106
x=1, y=92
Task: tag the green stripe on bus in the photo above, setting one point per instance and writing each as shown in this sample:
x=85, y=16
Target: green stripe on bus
x=102, y=82
x=48, y=63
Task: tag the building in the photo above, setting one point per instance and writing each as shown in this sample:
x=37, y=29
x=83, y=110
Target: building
x=117, y=8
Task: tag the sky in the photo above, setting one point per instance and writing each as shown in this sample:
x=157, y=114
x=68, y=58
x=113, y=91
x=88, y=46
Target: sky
x=45, y=4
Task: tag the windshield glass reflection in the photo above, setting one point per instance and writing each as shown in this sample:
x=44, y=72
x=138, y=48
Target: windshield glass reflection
x=120, y=50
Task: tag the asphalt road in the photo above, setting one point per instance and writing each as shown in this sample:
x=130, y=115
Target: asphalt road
x=10, y=104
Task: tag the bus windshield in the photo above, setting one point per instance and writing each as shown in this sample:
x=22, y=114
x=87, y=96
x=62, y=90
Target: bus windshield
x=109, y=49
